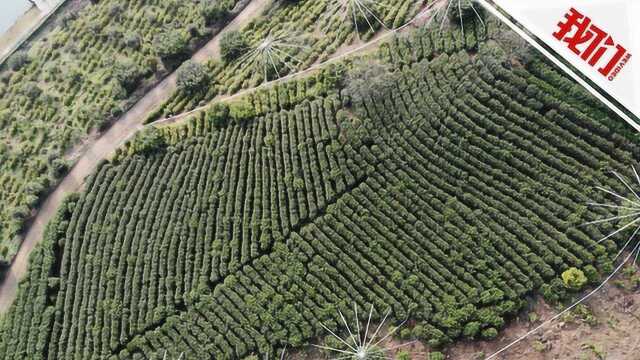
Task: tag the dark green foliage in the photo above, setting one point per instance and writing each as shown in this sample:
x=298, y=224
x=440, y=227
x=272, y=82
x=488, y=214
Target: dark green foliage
x=592, y=274
x=369, y=79
x=31, y=90
x=489, y=334
x=128, y=74
x=465, y=10
x=232, y=45
x=448, y=201
x=241, y=111
x=18, y=60
x=192, y=77
x=133, y=40
x=471, y=330
x=215, y=11
x=171, y=45
x=218, y=114
x=554, y=292
x=148, y=141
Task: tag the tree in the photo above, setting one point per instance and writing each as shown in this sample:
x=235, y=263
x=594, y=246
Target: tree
x=128, y=74
x=18, y=60
x=218, y=114
x=369, y=80
x=232, y=45
x=214, y=11
x=574, y=279
x=554, y=291
x=171, y=46
x=471, y=329
x=31, y=90
x=465, y=10
x=191, y=76
x=592, y=274
x=132, y=40
x=148, y=141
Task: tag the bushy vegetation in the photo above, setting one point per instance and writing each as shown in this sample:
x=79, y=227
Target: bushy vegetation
x=307, y=24
x=448, y=201
x=80, y=76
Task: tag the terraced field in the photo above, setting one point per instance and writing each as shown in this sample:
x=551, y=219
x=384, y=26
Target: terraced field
x=447, y=192
x=318, y=29
x=92, y=66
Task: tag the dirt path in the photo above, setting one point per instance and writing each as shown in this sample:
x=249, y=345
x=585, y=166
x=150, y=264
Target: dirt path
x=104, y=146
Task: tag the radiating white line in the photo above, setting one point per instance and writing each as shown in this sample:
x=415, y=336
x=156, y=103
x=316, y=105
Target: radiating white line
x=627, y=243
x=611, y=219
x=617, y=231
x=337, y=337
x=626, y=184
x=557, y=316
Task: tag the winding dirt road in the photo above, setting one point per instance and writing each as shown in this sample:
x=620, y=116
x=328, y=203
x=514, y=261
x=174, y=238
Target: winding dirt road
x=104, y=146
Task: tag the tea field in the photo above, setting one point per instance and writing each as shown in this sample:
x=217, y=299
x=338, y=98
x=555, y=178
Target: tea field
x=439, y=177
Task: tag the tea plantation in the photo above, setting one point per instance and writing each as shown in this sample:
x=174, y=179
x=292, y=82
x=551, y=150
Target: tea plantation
x=439, y=177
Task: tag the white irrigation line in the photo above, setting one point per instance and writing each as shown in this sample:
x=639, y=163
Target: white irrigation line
x=384, y=36
x=583, y=299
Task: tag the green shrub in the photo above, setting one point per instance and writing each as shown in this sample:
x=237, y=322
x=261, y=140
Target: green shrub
x=31, y=90
x=218, y=114
x=471, y=330
x=241, y=111
x=132, y=40
x=148, y=141
x=18, y=60
x=592, y=274
x=191, y=77
x=574, y=279
x=554, y=292
x=489, y=333
x=214, y=11
x=128, y=74
x=232, y=45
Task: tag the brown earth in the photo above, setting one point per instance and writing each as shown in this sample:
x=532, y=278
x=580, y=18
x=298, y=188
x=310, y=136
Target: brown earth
x=609, y=329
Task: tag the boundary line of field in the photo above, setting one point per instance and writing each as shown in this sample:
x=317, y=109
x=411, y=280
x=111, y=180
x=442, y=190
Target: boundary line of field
x=390, y=32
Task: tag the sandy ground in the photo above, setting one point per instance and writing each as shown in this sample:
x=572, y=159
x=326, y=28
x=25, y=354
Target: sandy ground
x=17, y=32
x=103, y=147
x=615, y=336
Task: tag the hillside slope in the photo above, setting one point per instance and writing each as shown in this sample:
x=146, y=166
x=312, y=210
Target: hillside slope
x=446, y=189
